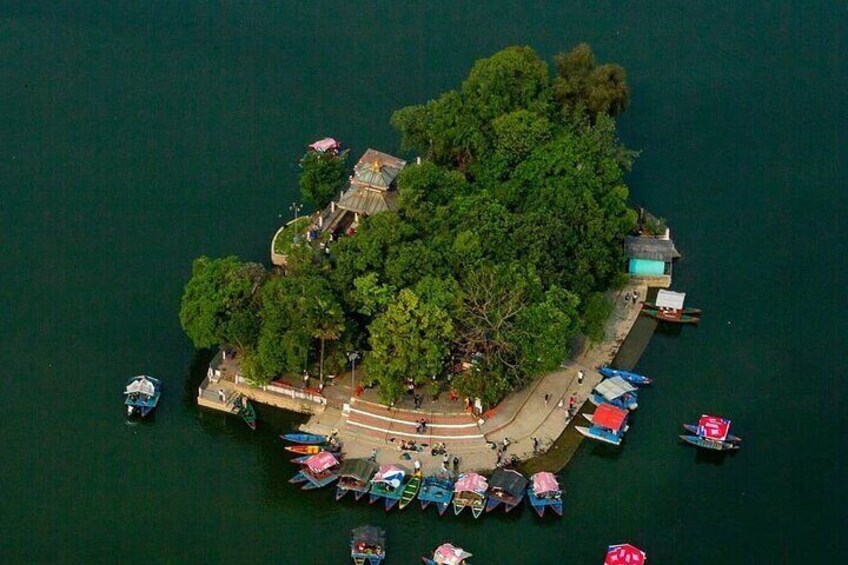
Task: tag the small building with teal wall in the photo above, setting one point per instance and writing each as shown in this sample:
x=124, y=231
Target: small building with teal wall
x=651, y=257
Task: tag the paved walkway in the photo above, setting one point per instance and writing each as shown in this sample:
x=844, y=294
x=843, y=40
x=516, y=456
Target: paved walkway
x=538, y=411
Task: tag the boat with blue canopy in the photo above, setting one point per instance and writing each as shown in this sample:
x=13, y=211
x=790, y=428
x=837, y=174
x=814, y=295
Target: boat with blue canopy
x=436, y=489
x=388, y=484
x=632, y=378
x=447, y=554
x=506, y=486
x=470, y=492
x=544, y=492
x=615, y=391
x=368, y=545
x=608, y=424
x=355, y=476
x=712, y=432
x=142, y=395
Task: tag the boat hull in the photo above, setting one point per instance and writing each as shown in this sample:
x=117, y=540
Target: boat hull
x=410, y=491
x=305, y=439
x=594, y=434
x=730, y=437
x=672, y=318
x=632, y=378
x=709, y=443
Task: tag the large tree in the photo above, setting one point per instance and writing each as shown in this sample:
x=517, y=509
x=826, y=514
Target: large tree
x=321, y=177
x=410, y=340
x=219, y=304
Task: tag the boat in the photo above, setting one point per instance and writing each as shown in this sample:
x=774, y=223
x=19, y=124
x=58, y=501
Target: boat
x=632, y=378
x=615, y=391
x=669, y=308
x=355, y=476
x=245, y=409
x=447, y=554
x=410, y=490
x=544, y=492
x=730, y=437
x=388, y=484
x=142, y=395
x=318, y=471
x=437, y=489
x=506, y=486
x=301, y=459
x=608, y=424
x=368, y=545
x=311, y=449
x=470, y=492
x=591, y=419
x=625, y=554
x=305, y=439
x=711, y=432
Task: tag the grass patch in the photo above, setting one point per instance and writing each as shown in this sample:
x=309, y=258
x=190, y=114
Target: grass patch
x=285, y=239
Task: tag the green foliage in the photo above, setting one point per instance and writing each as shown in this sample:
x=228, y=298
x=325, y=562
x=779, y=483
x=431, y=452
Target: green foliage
x=598, y=309
x=583, y=87
x=218, y=304
x=371, y=297
x=409, y=340
x=321, y=177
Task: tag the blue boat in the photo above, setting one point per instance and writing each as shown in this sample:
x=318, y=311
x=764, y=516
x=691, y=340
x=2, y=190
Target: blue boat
x=368, y=545
x=388, y=484
x=142, y=395
x=305, y=439
x=544, y=492
x=437, y=490
x=506, y=486
x=712, y=432
x=730, y=437
x=608, y=424
x=713, y=444
x=632, y=378
x=615, y=391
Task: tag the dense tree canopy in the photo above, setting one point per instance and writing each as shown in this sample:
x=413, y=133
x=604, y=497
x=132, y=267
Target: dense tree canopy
x=505, y=239
x=321, y=177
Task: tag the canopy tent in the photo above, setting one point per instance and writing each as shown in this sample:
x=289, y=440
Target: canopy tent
x=391, y=475
x=449, y=554
x=713, y=427
x=669, y=299
x=545, y=482
x=369, y=536
x=509, y=481
x=471, y=482
x=321, y=462
x=614, y=387
x=359, y=469
x=609, y=416
x=326, y=144
x=141, y=385
x=624, y=554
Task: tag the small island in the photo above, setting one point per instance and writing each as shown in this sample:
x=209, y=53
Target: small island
x=463, y=297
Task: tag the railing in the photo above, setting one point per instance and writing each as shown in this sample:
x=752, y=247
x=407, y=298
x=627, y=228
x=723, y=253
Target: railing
x=285, y=389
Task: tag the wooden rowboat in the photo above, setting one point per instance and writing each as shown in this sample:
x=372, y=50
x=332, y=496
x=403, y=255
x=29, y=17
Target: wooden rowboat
x=305, y=439
x=713, y=444
x=310, y=449
x=410, y=490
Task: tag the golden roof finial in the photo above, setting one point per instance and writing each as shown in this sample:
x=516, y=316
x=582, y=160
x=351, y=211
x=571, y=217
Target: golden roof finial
x=376, y=166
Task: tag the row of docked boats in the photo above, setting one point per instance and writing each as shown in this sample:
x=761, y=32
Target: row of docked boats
x=396, y=485
x=368, y=547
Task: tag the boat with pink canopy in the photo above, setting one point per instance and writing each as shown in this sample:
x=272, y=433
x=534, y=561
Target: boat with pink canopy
x=625, y=554
x=544, y=492
x=318, y=471
x=447, y=554
x=470, y=491
x=328, y=144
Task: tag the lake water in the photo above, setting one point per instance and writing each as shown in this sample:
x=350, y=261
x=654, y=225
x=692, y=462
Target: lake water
x=135, y=137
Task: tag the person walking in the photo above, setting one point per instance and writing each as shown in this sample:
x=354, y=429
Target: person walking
x=571, y=403
x=547, y=398
x=535, y=445
x=580, y=377
x=561, y=403
x=455, y=464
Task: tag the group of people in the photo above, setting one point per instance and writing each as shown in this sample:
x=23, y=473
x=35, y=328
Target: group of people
x=421, y=428
x=634, y=296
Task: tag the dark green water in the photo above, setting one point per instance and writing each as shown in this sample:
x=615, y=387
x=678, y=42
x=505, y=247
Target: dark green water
x=133, y=139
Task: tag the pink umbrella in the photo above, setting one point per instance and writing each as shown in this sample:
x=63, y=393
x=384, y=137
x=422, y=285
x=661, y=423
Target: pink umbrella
x=624, y=554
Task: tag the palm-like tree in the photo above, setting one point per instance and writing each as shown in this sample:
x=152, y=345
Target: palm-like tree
x=328, y=323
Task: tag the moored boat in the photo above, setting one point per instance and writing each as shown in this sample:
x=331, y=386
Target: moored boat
x=608, y=424
x=244, y=408
x=437, y=490
x=506, y=486
x=368, y=545
x=447, y=554
x=305, y=439
x=730, y=437
x=615, y=391
x=410, y=490
x=470, y=492
x=142, y=395
x=632, y=378
x=669, y=308
x=624, y=554
x=319, y=471
x=311, y=449
x=388, y=484
x=712, y=444
x=544, y=492
x=355, y=476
